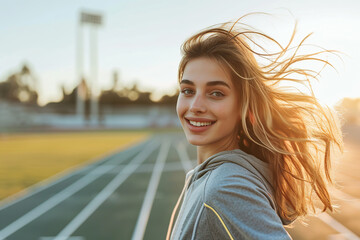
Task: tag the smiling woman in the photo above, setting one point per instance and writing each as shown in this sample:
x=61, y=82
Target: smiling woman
x=211, y=92
x=262, y=151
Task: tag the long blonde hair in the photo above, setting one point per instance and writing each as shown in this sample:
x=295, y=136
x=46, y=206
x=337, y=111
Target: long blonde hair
x=290, y=130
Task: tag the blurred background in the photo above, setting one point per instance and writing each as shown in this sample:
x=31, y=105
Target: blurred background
x=80, y=80
x=54, y=62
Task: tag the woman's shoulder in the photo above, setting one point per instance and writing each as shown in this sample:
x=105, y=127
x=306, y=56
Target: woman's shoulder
x=229, y=170
x=231, y=174
x=239, y=167
x=233, y=181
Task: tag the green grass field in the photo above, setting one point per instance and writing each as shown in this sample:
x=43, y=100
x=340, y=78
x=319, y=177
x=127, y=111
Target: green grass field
x=29, y=158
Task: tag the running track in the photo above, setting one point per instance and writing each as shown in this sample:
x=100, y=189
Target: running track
x=130, y=195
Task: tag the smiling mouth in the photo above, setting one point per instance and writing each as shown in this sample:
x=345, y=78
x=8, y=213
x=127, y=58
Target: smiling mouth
x=200, y=124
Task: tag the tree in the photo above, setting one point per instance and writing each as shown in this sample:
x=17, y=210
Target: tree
x=20, y=87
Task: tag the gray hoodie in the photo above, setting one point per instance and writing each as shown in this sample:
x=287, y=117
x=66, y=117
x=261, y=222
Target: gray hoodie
x=229, y=196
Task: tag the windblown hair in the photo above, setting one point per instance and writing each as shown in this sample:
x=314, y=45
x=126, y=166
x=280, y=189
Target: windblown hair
x=290, y=130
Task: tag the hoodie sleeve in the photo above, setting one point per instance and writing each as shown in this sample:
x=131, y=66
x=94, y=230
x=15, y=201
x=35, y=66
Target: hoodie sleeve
x=238, y=206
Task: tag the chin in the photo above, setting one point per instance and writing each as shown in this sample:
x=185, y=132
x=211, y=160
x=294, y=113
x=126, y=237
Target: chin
x=197, y=141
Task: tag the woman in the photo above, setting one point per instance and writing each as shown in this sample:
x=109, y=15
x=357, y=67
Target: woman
x=262, y=150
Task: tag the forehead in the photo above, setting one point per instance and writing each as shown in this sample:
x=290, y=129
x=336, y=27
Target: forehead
x=202, y=70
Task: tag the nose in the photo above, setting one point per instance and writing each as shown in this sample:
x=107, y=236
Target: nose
x=198, y=105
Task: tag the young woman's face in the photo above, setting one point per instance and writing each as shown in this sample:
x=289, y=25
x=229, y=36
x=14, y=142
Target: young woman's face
x=208, y=96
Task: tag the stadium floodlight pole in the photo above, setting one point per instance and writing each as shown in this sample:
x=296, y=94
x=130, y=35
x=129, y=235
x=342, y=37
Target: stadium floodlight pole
x=94, y=106
x=94, y=20
x=80, y=91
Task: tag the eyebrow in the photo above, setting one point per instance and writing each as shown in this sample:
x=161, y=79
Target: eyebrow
x=212, y=83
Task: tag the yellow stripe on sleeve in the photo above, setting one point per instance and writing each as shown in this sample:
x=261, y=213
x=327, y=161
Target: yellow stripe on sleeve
x=222, y=222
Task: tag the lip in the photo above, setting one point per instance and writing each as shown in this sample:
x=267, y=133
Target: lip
x=198, y=129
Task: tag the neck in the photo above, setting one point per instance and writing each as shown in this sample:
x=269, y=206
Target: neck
x=206, y=151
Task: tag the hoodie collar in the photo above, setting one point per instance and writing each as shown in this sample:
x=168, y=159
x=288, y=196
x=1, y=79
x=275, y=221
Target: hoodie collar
x=236, y=156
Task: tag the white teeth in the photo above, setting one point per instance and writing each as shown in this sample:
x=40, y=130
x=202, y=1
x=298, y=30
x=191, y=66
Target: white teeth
x=198, y=124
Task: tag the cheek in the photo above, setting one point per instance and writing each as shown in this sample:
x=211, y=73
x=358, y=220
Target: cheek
x=226, y=111
x=179, y=106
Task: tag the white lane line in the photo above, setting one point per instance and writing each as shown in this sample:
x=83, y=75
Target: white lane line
x=326, y=218
x=184, y=157
x=53, y=201
x=105, y=193
x=47, y=183
x=143, y=218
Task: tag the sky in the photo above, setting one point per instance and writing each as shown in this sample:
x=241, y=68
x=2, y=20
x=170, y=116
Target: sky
x=141, y=39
